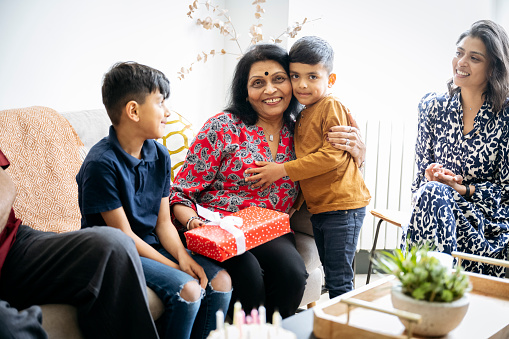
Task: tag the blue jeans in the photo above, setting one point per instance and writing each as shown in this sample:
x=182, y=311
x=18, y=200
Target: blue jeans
x=336, y=234
x=184, y=319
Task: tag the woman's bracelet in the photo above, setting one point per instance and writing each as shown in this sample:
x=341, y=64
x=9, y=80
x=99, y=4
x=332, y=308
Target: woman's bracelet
x=191, y=219
x=467, y=192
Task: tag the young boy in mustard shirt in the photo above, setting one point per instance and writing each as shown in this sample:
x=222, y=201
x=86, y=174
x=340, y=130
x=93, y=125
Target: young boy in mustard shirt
x=330, y=180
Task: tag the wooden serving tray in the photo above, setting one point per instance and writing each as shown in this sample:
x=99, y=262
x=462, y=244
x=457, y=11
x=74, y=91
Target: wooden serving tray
x=487, y=315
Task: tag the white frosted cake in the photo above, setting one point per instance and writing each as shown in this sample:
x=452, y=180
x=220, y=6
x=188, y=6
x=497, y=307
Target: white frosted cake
x=252, y=331
x=252, y=326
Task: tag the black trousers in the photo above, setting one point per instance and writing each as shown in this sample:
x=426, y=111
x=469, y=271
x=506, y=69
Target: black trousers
x=272, y=274
x=98, y=270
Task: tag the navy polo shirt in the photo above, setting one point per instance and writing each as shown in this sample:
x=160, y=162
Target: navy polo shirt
x=111, y=178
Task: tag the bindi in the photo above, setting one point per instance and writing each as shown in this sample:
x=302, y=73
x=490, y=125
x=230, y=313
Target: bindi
x=266, y=73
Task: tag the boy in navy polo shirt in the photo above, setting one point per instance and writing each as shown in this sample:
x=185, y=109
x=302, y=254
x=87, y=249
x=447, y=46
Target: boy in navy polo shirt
x=124, y=182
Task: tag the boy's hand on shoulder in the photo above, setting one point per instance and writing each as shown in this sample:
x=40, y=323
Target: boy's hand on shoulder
x=266, y=174
x=191, y=267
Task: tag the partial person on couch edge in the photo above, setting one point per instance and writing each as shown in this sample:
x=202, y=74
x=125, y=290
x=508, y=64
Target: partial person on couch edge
x=97, y=270
x=124, y=183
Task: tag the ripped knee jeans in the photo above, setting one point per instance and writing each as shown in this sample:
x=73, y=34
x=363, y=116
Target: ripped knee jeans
x=182, y=318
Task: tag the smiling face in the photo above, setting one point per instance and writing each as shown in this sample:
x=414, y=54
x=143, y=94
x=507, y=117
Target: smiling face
x=153, y=114
x=269, y=89
x=470, y=65
x=309, y=82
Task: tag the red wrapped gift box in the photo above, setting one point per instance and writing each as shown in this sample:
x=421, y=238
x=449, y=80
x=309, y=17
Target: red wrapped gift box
x=259, y=226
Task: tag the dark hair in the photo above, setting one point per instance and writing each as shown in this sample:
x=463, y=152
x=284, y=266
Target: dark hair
x=127, y=81
x=312, y=50
x=496, y=42
x=238, y=106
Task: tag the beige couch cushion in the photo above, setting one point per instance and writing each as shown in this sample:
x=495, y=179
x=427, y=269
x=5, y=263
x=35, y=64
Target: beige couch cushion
x=60, y=321
x=43, y=149
x=90, y=125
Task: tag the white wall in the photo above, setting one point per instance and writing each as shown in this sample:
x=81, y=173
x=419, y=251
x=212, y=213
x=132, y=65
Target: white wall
x=54, y=52
x=501, y=12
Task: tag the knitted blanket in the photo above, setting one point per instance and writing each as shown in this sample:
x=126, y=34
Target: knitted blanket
x=43, y=150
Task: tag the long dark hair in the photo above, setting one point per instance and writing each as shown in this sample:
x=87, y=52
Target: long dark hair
x=238, y=105
x=495, y=39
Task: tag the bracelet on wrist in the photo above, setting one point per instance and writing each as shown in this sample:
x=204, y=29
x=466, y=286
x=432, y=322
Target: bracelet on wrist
x=467, y=192
x=191, y=219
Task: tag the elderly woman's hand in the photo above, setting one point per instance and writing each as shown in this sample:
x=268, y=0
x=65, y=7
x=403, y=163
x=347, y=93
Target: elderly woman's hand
x=348, y=138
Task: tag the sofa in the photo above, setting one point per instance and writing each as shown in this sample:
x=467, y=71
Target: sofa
x=88, y=127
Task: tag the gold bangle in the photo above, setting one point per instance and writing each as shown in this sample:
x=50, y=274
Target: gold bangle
x=191, y=219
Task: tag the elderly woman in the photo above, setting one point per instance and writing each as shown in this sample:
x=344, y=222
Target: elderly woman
x=257, y=126
x=462, y=185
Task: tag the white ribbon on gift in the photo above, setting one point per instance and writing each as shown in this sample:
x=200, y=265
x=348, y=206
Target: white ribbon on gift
x=229, y=224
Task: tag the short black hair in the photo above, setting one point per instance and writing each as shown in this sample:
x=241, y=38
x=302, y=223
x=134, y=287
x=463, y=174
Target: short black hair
x=127, y=81
x=238, y=105
x=312, y=50
x=495, y=39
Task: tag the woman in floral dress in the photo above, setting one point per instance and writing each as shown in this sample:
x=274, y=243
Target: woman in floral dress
x=461, y=192
x=257, y=126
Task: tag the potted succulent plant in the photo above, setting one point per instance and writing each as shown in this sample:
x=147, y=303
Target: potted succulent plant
x=427, y=287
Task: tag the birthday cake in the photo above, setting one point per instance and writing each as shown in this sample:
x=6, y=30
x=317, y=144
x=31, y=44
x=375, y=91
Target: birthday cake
x=251, y=326
x=251, y=331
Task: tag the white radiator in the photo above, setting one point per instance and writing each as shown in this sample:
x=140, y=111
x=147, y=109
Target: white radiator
x=389, y=171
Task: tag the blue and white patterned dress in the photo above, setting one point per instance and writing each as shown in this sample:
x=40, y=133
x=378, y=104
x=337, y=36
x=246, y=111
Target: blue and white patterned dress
x=481, y=224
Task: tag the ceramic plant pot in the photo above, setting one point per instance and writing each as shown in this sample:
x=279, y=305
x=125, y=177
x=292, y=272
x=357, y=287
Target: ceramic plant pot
x=438, y=318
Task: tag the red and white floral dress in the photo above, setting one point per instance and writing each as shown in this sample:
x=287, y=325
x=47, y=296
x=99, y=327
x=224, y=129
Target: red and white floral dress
x=213, y=173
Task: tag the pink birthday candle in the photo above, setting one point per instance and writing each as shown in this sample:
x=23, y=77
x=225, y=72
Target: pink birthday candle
x=254, y=316
x=242, y=318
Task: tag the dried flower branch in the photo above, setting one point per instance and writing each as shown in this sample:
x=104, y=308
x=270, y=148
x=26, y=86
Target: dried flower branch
x=224, y=25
